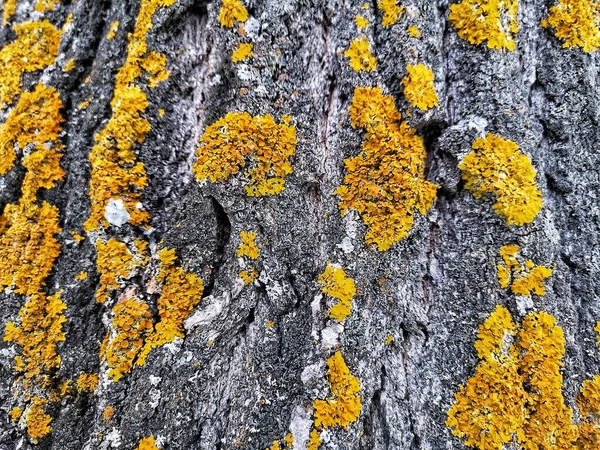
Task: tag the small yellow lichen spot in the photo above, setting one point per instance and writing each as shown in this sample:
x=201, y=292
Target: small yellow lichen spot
x=270, y=324
x=9, y=8
x=361, y=21
x=275, y=446
x=81, y=276
x=35, y=48
x=70, y=65
x=391, y=11
x=289, y=440
x=36, y=419
x=15, y=414
x=314, y=441
x=147, y=444
x=248, y=276
x=336, y=284
x=360, y=55
x=248, y=245
x=87, y=382
x=497, y=166
x=576, y=23
x=242, y=52
x=389, y=339
x=232, y=10
x=108, y=413
x=84, y=104
x=181, y=291
x=386, y=182
x=225, y=144
x=491, y=20
x=413, y=31
x=419, y=89
x=77, y=236
x=523, y=279
x=112, y=30
x=344, y=406
x=161, y=113
x=46, y=5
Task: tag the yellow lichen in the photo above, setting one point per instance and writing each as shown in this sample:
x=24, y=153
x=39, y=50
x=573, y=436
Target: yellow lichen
x=248, y=276
x=344, y=405
x=225, y=144
x=232, y=10
x=314, y=441
x=114, y=263
x=413, y=31
x=391, y=11
x=523, y=279
x=131, y=324
x=360, y=55
x=108, y=413
x=46, y=5
x=386, y=182
x=70, y=65
x=389, y=339
x=361, y=21
x=8, y=10
x=497, y=166
x=493, y=20
x=35, y=48
x=147, y=444
x=116, y=174
x=516, y=392
x=181, y=291
x=112, y=30
x=36, y=419
x=248, y=245
x=242, y=52
x=336, y=284
x=419, y=89
x=576, y=23
x=15, y=414
x=87, y=382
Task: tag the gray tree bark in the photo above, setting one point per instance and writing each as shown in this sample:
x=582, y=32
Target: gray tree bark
x=253, y=359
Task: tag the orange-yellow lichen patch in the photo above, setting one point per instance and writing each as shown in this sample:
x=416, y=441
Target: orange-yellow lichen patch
x=81, y=276
x=112, y=30
x=242, y=52
x=114, y=263
x=386, y=182
x=314, y=440
x=361, y=21
x=38, y=334
x=181, y=291
x=147, y=444
x=46, y=5
x=523, y=279
x=493, y=20
x=360, y=55
x=70, y=65
x=226, y=143
x=588, y=402
x=516, y=392
x=28, y=246
x=108, y=413
x=249, y=276
x=131, y=324
x=344, y=405
x=9, y=8
x=116, y=173
x=87, y=382
x=391, y=11
x=35, y=122
x=248, y=245
x=36, y=419
x=232, y=10
x=413, y=31
x=576, y=23
x=35, y=48
x=419, y=89
x=497, y=166
x=336, y=284
x=15, y=414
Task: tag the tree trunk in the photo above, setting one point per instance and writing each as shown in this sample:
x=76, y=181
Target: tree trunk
x=245, y=363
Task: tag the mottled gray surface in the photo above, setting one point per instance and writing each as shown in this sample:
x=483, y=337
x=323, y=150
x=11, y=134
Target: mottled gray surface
x=430, y=291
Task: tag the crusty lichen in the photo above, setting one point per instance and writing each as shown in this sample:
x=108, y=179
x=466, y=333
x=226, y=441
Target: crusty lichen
x=46, y=5
x=35, y=48
x=361, y=21
x=336, y=284
x=248, y=247
x=576, y=23
x=419, y=89
x=494, y=21
x=360, y=55
x=226, y=143
x=232, y=10
x=413, y=31
x=87, y=382
x=497, y=166
x=147, y=444
x=248, y=276
x=242, y=52
x=116, y=174
x=112, y=30
x=314, y=440
x=523, y=279
x=9, y=7
x=344, y=405
x=386, y=182
x=391, y=11
x=516, y=392
x=36, y=419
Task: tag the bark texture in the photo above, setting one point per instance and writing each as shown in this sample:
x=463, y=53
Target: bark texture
x=252, y=361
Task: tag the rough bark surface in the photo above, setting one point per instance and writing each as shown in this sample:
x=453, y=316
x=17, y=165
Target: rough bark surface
x=235, y=382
